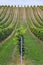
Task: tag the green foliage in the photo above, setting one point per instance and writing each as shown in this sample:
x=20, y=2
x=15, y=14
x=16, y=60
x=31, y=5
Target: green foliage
x=38, y=32
x=6, y=50
x=20, y=31
x=5, y=33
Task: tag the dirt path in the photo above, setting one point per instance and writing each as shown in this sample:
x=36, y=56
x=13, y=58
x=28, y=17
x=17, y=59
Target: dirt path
x=6, y=16
x=39, y=12
x=36, y=16
x=4, y=13
x=23, y=19
x=29, y=16
x=14, y=56
x=7, y=13
x=32, y=15
x=1, y=10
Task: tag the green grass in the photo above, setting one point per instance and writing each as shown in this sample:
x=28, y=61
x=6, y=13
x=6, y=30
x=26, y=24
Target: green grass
x=33, y=50
x=6, y=50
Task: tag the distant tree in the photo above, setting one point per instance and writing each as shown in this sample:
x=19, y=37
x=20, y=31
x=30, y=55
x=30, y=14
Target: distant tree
x=34, y=5
x=5, y=5
x=37, y=5
x=24, y=5
x=27, y=5
x=8, y=5
x=18, y=5
x=11, y=5
x=15, y=5
x=21, y=5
